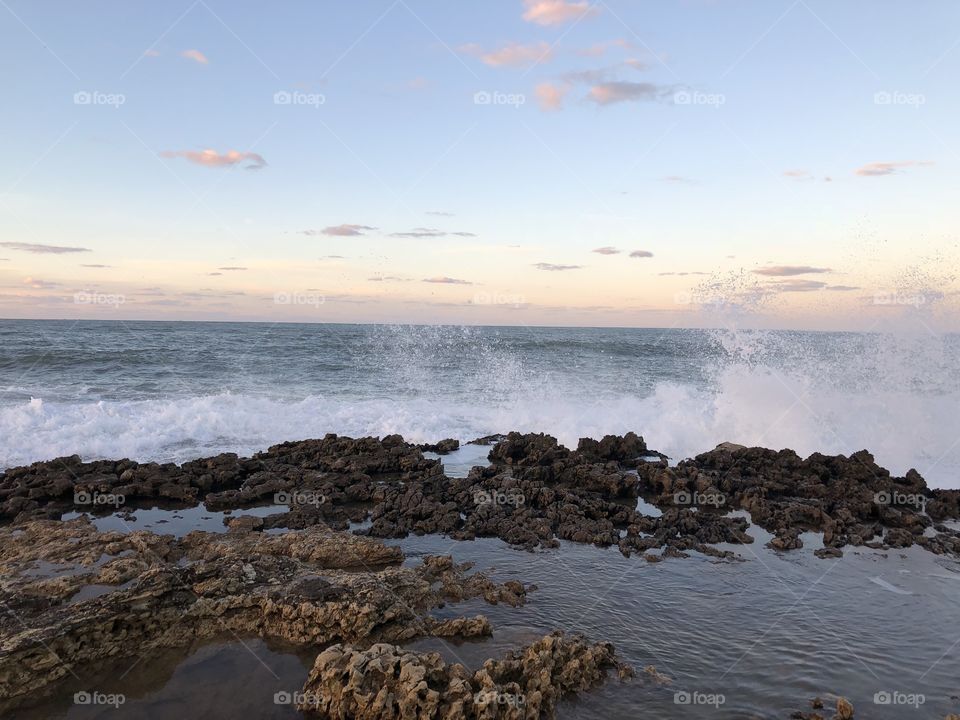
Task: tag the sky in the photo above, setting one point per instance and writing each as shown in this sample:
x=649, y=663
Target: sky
x=539, y=162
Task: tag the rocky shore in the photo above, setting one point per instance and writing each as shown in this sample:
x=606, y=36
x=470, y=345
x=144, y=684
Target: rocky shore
x=316, y=573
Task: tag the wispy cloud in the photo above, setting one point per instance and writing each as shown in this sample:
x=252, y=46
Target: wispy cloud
x=607, y=250
x=790, y=270
x=388, y=278
x=683, y=274
x=797, y=285
x=555, y=12
x=213, y=159
x=43, y=249
x=798, y=174
x=879, y=169
x=608, y=93
x=37, y=284
x=231, y=267
x=641, y=254
x=550, y=96
x=439, y=213
x=346, y=230
x=550, y=267
x=97, y=265
x=511, y=55
x=446, y=281
x=423, y=232
x=680, y=179
x=196, y=56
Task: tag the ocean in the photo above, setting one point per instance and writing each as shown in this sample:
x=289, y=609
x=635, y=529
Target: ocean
x=176, y=391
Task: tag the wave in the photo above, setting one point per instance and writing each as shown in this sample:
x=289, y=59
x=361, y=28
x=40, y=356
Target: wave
x=748, y=405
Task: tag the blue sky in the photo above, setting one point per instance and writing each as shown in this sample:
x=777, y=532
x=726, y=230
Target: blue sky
x=741, y=141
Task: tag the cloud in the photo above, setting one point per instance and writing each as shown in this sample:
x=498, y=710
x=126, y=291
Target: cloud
x=446, y=281
x=39, y=284
x=790, y=270
x=439, y=213
x=511, y=55
x=423, y=232
x=97, y=266
x=555, y=12
x=550, y=267
x=641, y=254
x=195, y=55
x=678, y=179
x=388, y=278
x=550, y=96
x=879, y=169
x=334, y=257
x=340, y=231
x=797, y=285
x=213, y=159
x=43, y=249
x=215, y=274
x=798, y=174
x=231, y=267
x=608, y=93
x=601, y=48
x=683, y=274
x=606, y=251
x=842, y=288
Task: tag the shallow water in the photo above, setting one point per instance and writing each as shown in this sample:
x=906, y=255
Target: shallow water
x=767, y=634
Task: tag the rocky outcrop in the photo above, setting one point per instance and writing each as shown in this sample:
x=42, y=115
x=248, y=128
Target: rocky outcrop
x=308, y=588
x=386, y=682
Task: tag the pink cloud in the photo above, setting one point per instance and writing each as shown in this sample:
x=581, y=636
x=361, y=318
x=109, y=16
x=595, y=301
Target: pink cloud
x=511, y=55
x=195, y=55
x=879, y=169
x=213, y=159
x=550, y=96
x=555, y=12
